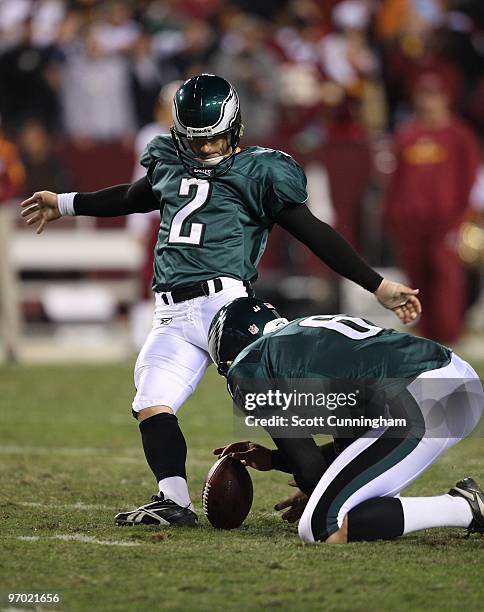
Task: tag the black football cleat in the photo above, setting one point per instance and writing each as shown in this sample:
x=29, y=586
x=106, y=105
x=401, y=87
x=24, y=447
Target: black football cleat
x=474, y=495
x=159, y=511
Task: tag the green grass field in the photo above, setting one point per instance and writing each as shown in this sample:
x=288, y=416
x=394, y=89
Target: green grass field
x=71, y=457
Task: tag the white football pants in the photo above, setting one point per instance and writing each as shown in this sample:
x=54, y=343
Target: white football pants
x=381, y=464
x=174, y=356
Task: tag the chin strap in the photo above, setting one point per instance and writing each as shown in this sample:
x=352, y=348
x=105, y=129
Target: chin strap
x=209, y=163
x=207, y=169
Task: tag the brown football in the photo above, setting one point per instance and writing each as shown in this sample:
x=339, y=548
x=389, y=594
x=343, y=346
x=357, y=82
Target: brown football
x=227, y=494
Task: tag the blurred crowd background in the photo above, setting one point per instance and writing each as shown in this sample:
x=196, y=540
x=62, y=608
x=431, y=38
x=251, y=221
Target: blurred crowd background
x=381, y=101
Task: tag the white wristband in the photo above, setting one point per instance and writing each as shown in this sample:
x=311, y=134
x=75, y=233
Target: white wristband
x=65, y=203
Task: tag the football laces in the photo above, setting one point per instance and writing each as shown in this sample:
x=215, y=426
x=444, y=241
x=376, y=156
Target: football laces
x=206, y=491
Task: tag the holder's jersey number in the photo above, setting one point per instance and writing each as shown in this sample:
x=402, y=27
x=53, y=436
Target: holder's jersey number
x=351, y=327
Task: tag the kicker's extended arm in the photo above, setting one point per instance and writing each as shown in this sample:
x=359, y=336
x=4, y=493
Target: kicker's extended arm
x=137, y=197
x=329, y=246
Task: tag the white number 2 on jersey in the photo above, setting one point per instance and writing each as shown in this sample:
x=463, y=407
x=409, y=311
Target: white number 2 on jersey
x=197, y=230
x=351, y=327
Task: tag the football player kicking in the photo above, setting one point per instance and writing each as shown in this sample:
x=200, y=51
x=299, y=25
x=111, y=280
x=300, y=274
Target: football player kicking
x=217, y=204
x=349, y=490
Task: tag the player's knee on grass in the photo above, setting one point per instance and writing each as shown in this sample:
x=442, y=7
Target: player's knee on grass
x=379, y=518
x=319, y=520
x=305, y=531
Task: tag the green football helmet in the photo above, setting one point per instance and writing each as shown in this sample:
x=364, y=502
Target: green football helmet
x=238, y=324
x=205, y=106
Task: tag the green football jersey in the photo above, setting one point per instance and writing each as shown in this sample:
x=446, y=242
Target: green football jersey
x=217, y=226
x=334, y=348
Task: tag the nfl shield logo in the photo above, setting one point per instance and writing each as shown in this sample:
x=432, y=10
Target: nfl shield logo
x=253, y=329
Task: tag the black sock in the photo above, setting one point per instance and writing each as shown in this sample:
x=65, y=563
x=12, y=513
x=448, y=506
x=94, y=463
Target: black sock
x=164, y=445
x=380, y=518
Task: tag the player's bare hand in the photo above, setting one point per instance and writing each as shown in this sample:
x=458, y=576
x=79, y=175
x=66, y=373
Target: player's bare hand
x=40, y=208
x=401, y=299
x=295, y=505
x=252, y=455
